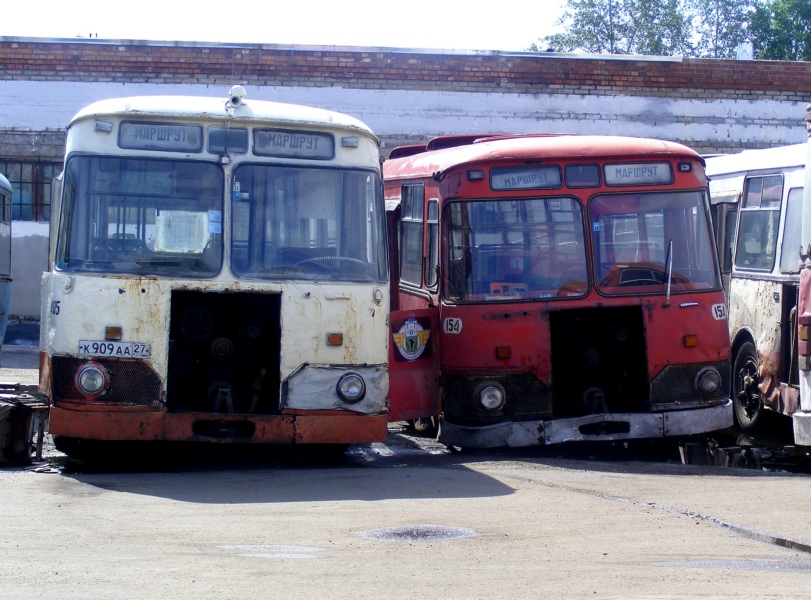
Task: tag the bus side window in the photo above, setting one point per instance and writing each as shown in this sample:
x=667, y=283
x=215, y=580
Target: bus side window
x=411, y=234
x=432, y=258
x=730, y=222
x=790, y=248
x=757, y=232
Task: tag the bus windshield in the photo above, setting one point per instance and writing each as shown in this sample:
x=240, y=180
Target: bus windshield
x=141, y=216
x=307, y=223
x=513, y=249
x=639, y=238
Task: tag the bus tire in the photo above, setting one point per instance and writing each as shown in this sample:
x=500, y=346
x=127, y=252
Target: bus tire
x=747, y=398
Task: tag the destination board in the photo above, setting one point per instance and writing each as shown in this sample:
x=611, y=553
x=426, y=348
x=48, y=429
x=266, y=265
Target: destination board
x=160, y=136
x=638, y=174
x=293, y=144
x=525, y=178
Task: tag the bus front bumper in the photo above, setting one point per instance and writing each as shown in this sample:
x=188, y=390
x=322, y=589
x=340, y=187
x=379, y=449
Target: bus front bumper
x=295, y=427
x=599, y=427
x=802, y=428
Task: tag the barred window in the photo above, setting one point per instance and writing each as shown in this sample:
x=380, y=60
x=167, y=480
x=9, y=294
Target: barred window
x=31, y=182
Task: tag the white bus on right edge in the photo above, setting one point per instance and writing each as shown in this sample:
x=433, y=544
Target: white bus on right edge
x=757, y=207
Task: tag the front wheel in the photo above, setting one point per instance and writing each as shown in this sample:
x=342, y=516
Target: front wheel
x=747, y=398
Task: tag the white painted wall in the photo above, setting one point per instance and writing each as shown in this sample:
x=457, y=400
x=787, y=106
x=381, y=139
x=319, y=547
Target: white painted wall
x=37, y=105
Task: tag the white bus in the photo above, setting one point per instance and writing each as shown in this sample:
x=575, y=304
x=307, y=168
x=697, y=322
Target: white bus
x=756, y=200
x=218, y=273
x=5, y=254
x=802, y=418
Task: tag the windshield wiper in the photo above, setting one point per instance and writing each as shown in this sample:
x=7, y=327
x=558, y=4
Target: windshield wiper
x=669, y=263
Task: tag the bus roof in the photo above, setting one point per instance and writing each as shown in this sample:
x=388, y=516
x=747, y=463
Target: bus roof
x=4, y=184
x=529, y=147
x=758, y=160
x=196, y=107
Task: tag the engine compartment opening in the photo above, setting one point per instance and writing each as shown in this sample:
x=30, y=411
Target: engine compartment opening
x=224, y=352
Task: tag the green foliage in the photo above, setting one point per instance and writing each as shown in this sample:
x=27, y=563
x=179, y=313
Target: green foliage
x=660, y=27
x=598, y=26
x=720, y=26
x=779, y=29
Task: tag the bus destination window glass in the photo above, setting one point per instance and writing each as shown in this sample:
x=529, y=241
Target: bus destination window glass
x=227, y=140
x=533, y=177
x=284, y=143
x=307, y=223
x=582, y=176
x=513, y=249
x=637, y=236
x=164, y=137
x=142, y=217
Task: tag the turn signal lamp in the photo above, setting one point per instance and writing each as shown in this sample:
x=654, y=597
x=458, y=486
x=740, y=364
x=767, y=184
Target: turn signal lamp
x=691, y=341
x=335, y=339
x=504, y=352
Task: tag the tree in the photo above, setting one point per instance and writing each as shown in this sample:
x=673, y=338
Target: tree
x=661, y=27
x=598, y=26
x=720, y=25
x=781, y=29
x=623, y=27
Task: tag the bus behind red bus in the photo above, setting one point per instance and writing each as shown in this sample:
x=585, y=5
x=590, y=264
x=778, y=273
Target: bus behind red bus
x=552, y=288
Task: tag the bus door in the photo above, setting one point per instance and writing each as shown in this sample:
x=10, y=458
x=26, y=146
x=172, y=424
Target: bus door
x=724, y=214
x=414, y=316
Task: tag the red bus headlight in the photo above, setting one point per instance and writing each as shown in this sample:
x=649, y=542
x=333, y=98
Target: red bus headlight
x=490, y=395
x=92, y=380
x=708, y=381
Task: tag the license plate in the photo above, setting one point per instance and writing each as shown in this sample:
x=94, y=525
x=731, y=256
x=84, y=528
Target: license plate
x=114, y=349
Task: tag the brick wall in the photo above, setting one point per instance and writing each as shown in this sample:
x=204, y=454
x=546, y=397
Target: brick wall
x=263, y=65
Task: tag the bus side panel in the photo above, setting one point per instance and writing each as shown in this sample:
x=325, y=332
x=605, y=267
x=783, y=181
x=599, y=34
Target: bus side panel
x=756, y=311
x=802, y=418
x=414, y=364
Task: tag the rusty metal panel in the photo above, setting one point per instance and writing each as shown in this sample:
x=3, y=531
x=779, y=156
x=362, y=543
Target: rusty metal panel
x=116, y=425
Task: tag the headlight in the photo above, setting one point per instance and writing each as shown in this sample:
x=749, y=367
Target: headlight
x=490, y=395
x=92, y=380
x=708, y=381
x=351, y=388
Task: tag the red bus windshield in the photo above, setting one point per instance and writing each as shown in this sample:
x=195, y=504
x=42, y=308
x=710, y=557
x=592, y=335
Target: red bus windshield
x=535, y=248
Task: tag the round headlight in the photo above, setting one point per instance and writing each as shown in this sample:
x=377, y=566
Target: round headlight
x=351, y=388
x=708, y=381
x=92, y=379
x=491, y=395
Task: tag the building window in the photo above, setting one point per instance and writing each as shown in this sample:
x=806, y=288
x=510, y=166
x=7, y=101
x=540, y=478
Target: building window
x=31, y=182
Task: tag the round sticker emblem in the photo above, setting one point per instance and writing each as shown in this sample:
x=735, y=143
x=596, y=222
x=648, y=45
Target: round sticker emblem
x=411, y=339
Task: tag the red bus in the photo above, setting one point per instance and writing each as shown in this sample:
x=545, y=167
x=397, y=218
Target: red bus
x=552, y=288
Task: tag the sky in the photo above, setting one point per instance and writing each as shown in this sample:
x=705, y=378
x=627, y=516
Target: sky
x=509, y=25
